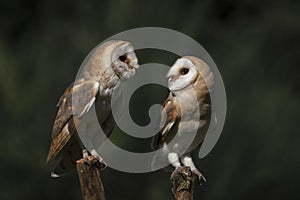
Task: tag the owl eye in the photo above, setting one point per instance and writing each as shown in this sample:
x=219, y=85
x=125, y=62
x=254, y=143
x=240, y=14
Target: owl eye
x=122, y=58
x=184, y=71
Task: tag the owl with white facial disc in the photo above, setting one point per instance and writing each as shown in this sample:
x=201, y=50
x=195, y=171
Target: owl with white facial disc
x=186, y=113
x=100, y=75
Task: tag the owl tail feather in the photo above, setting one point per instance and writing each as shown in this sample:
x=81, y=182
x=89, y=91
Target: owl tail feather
x=66, y=161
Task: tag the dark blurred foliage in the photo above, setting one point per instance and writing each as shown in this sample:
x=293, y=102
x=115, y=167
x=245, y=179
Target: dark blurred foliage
x=254, y=43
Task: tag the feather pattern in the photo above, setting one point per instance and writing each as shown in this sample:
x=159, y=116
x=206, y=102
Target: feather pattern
x=186, y=112
x=169, y=116
x=82, y=96
x=102, y=72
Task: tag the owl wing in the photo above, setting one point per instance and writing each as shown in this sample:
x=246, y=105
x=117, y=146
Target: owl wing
x=169, y=119
x=73, y=104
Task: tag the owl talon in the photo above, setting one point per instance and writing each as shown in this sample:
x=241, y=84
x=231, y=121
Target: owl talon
x=102, y=163
x=201, y=178
x=85, y=153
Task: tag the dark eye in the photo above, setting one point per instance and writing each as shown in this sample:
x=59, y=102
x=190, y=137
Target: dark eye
x=122, y=58
x=184, y=71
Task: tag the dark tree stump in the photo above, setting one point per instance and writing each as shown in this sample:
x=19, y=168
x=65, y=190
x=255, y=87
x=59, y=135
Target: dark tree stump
x=184, y=182
x=88, y=170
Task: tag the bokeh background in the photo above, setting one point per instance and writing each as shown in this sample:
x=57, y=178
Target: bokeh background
x=254, y=43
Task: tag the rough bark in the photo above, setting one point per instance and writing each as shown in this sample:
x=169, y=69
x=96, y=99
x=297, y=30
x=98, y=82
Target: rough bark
x=184, y=182
x=88, y=170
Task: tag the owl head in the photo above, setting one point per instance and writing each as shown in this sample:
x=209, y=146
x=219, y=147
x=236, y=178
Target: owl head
x=189, y=72
x=123, y=59
x=112, y=60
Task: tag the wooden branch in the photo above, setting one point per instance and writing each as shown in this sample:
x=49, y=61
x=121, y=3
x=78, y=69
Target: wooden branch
x=88, y=170
x=184, y=182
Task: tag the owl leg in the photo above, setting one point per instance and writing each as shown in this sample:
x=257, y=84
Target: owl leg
x=174, y=159
x=187, y=161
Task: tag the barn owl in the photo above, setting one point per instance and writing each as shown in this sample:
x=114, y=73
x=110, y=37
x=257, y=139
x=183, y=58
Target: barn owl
x=187, y=110
x=103, y=71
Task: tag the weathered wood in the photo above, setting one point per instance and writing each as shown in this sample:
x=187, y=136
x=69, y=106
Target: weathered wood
x=88, y=170
x=184, y=182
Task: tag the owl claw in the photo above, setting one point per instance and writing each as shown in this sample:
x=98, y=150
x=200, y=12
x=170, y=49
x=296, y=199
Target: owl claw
x=102, y=163
x=85, y=153
x=201, y=178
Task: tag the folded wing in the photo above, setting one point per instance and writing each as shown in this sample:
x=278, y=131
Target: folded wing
x=73, y=104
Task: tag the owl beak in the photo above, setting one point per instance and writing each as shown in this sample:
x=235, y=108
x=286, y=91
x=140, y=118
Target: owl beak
x=170, y=78
x=132, y=63
x=127, y=60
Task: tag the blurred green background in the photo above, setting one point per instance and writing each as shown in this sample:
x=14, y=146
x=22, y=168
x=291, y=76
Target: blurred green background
x=254, y=43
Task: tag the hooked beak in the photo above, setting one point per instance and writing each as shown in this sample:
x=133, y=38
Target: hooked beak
x=170, y=78
x=132, y=63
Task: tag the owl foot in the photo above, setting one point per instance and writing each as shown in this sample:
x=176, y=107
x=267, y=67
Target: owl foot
x=85, y=153
x=102, y=163
x=201, y=178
